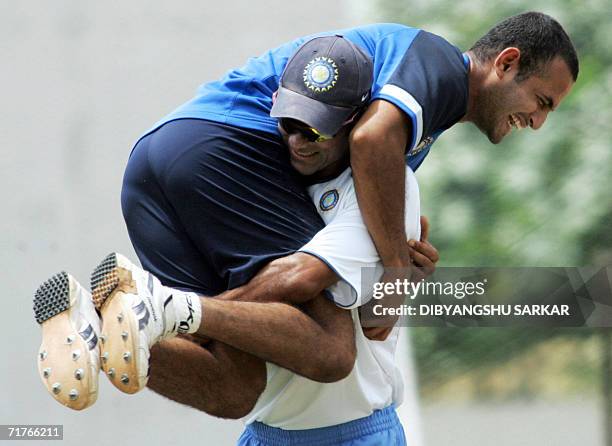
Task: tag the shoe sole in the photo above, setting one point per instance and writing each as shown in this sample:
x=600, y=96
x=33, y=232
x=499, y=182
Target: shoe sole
x=112, y=287
x=67, y=367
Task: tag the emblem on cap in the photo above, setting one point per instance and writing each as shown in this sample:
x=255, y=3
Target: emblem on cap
x=321, y=74
x=329, y=200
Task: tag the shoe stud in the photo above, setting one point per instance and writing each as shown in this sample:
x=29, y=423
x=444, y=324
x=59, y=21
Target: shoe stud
x=74, y=394
x=124, y=335
x=47, y=372
x=57, y=387
x=76, y=354
x=79, y=373
x=43, y=355
x=102, y=339
x=125, y=378
x=111, y=373
x=105, y=357
x=127, y=356
x=69, y=340
x=120, y=317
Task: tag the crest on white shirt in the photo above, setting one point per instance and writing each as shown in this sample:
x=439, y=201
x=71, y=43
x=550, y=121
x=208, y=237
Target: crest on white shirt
x=329, y=200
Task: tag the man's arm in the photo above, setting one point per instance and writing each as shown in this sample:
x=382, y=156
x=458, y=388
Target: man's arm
x=377, y=145
x=294, y=279
x=425, y=257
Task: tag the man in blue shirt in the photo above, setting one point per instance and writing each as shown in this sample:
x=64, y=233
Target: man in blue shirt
x=223, y=146
x=511, y=78
x=422, y=85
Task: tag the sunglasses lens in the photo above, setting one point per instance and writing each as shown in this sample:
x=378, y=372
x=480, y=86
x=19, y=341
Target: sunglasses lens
x=291, y=126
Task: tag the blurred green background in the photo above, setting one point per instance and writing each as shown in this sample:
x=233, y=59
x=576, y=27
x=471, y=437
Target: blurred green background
x=538, y=199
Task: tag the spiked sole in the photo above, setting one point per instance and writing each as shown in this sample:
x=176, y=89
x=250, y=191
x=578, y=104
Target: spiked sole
x=113, y=287
x=66, y=366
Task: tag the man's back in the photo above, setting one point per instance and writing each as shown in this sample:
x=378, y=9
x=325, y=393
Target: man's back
x=421, y=73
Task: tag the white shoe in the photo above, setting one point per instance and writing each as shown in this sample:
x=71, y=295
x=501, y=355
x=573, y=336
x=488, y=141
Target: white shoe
x=68, y=360
x=132, y=303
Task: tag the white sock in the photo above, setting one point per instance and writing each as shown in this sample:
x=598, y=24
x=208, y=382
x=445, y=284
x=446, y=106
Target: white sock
x=182, y=312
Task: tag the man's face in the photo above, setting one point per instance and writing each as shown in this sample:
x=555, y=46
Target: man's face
x=321, y=158
x=505, y=104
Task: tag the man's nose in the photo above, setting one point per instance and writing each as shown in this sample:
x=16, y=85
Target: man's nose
x=537, y=119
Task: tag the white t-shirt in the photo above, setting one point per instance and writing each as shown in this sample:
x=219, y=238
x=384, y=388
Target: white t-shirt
x=293, y=402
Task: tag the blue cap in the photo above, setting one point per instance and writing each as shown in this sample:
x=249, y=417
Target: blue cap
x=326, y=81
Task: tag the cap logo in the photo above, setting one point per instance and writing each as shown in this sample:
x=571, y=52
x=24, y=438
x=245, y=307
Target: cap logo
x=321, y=74
x=329, y=200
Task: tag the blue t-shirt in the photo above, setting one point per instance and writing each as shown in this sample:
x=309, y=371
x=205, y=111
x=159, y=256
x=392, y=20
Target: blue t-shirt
x=421, y=73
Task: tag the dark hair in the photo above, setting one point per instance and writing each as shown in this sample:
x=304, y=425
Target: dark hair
x=539, y=37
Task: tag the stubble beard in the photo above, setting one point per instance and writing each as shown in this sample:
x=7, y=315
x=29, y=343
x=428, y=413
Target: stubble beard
x=488, y=114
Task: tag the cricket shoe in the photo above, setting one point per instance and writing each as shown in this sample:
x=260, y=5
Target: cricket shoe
x=137, y=312
x=68, y=359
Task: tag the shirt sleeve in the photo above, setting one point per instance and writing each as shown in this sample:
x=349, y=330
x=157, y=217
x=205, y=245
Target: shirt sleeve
x=427, y=80
x=346, y=247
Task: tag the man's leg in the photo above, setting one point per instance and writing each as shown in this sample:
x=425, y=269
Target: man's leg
x=218, y=379
x=138, y=311
x=279, y=333
x=175, y=201
x=222, y=381
x=317, y=343
x=164, y=247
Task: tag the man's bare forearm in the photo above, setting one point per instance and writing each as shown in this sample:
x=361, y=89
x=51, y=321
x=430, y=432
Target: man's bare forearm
x=377, y=158
x=294, y=279
x=381, y=200
x=317, y=343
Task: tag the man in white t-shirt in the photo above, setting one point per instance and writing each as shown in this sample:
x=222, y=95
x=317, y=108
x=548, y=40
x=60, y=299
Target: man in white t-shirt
x=291, y=403
x=139, y=312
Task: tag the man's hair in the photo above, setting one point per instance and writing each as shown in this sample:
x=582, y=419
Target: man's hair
x=539, y=37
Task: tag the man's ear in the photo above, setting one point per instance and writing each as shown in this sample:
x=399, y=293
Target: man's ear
x=507, y=62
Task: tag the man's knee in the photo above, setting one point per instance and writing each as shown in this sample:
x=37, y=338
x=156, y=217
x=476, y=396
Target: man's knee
x=244, y=381
x=250, y=391
x=334, y=358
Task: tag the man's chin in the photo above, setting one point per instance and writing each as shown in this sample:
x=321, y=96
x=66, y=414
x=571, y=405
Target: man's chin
x=302, y=169
x=494, y=136
x=496, y=139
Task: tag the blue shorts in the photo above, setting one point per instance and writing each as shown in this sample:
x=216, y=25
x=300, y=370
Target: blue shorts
x=207, y=204
x=382, y=428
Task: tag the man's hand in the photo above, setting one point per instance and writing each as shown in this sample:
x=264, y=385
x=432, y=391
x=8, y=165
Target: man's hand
x=424, y=255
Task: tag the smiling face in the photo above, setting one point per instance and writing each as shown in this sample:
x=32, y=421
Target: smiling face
x=321, y=158
x=505, y=103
